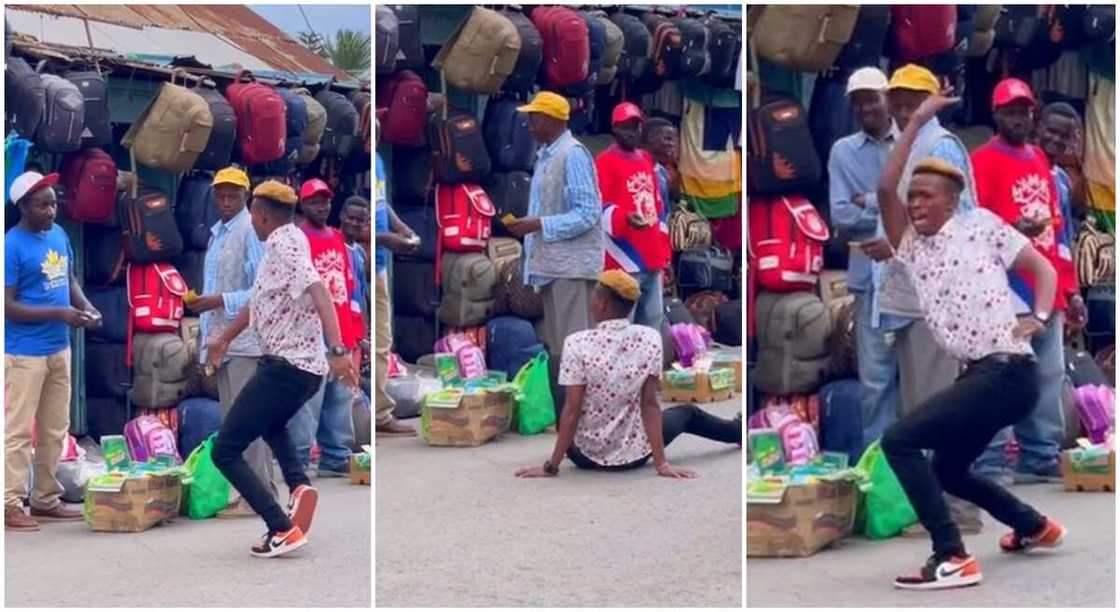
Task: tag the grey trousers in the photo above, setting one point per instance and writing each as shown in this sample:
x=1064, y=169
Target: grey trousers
x=567, y=310
x=925, y=369
x=232, y=377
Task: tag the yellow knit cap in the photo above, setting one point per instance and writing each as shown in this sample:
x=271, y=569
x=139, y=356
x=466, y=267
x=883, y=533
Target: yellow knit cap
x=275, y=190
x=912, y=76
x=936, y=165
x=622, y=284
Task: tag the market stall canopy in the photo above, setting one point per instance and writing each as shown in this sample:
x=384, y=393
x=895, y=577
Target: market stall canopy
x=225, y=37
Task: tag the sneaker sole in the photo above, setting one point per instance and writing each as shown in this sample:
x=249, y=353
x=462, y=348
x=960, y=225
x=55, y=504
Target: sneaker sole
x=304, y=510
x=954, y=583
x=283, y=550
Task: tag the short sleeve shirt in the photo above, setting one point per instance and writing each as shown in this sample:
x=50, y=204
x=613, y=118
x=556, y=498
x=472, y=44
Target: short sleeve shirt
x=283, y=313
x=38, y=265
x=613, y=362
x=960, y=274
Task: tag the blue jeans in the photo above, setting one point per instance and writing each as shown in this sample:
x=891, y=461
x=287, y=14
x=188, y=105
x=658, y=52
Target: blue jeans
x=1040, y=433
x=327, y=418
x=650, y=308
x=878, y=371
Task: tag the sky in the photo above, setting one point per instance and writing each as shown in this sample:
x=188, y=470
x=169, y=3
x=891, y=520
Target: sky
x=325, y=19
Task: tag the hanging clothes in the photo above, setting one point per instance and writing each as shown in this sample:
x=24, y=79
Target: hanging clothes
x=711, y=180
x=1100, y=144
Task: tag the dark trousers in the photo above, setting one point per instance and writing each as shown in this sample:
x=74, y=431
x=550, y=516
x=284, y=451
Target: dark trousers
x=957, y=425
x=685, y=418
x=271, y=397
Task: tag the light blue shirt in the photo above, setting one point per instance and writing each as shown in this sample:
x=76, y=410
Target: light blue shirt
x=854, y=167
x=581, y=193
x=234, y=301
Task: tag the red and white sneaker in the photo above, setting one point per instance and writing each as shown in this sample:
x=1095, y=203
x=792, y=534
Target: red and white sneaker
x=276, y=544
x=956, y=571
x=301, y=507
x=1050, y=536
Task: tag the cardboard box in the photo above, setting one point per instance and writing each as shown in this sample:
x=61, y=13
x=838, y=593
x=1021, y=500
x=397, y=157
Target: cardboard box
x=809, y=517
x=717, y=385
x=478, y=418
x=1088, y=481
x=360, y=468
x=139, y=504
x=736, y=368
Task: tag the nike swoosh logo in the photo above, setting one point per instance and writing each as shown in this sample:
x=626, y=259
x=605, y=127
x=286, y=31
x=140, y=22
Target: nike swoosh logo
x=942, y=574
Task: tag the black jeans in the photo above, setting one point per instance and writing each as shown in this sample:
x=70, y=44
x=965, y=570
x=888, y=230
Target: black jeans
x=686, y=418
x=262, y=410
x=957, y=425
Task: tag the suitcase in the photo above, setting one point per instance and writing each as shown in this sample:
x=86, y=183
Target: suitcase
x=841, y=405
x=511, y=343
x=419, y=340
x=112, y=303
x=198, y=418
x=415, y=293
x=107, y=374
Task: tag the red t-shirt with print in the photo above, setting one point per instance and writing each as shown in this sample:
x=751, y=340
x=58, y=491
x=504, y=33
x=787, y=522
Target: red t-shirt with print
x=331, y=259
x=628, y=184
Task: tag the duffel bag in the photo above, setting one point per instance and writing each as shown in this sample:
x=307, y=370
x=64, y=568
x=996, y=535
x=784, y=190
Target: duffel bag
x=710, y=268
x=161, y=362
x=468, y=281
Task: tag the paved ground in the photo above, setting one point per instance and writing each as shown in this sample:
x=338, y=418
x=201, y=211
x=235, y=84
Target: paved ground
x=197, y=563
x=455, y=528
x=859, y=572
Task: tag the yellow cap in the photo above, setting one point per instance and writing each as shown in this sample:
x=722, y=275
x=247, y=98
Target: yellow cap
x=912, y=76
x=231, y=176
x=621, y=283
x=548, y=103
x=936, y=165
x=275, y=190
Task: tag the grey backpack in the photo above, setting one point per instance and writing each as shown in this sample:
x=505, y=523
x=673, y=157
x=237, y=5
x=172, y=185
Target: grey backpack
x=64, y=117
x=468, y=281
x=161, y=364
x=793, y=337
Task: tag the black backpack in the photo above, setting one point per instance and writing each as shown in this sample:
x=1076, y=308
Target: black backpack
x=509, y=191
x=409, y=43
x=528, y=66
x=781, y=157
x=1099, y=22
x=635, y=63
x=460, y=154
x=388, y=39
x=725, y=43
x=195, y=211
x=104, y=259
x=667, y=46
x=865, y=47
x=508, y=140
x=26, y=96
x=412, y=177
x=223, y=136
x=63, y=118
x=150, y=232
x=342, y=125
x=696, y=59
x=95, y=96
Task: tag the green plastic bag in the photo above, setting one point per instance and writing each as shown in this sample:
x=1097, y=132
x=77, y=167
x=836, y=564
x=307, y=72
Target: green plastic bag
x=885, y=510
x=535, y=411
x=209, y=489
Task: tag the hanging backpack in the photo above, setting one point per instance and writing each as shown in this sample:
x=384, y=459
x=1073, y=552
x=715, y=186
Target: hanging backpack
x=1099, y=22
x=725, y=43
x=195, y=211
x=528, y=66
x=688, y=230
x=865, y=47
x=261, y=120
x=787, y=237
x=316, y=125
x=596, y=47
x=459, y=150
x=406, y=98
x=781, y=156
x=223, y=134
x=161, y=370
x=409, y=42
x=148, y=224
x=148, y=438
x=90, y=179
x=635, y=61
x=155, y=298
x=804, y=37
x=696, y=59
x=612, y=49
x=95, y=98
x=342, y=125
x=481, y=53
x=296, y=119
x=25, y=96
x=388, y=39
x=63, y=118
x=667, y=47
x=922, y=31
x=509, y=191
x=464, y=213
x=567, y=47
x=506, y=131
x=172, y=131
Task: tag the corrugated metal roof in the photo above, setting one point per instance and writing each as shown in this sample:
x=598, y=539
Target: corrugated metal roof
x=224, y=36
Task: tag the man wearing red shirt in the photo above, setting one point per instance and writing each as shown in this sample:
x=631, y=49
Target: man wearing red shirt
x=1013, y=180
x=327, y=416
x=634, y=217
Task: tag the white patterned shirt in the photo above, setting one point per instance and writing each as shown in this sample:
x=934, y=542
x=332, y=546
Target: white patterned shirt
x=281, y=309
x=960, y=275
x=613, y=362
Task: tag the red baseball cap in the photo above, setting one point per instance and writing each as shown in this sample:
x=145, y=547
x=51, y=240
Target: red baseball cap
x=625, y=112
x=1010, y=90
x=313, y=188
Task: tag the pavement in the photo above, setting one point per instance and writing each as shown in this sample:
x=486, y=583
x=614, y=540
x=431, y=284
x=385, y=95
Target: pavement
x=857, y=572
x=456, y=529
x=190, y=564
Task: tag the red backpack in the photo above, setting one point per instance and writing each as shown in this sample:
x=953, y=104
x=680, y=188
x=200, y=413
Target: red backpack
x=922, y=31
x=90, y=179
x=155, y=299
x=464, y=214
x=567, y=46
x=406, y=98
x=786, y=238
x=262, y=117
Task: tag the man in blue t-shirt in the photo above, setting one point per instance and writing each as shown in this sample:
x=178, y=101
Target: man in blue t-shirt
x=42, y=301
x=392, y=236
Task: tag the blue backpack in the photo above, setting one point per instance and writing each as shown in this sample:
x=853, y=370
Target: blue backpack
x=198, y=418
x=510, y=344
x=842, y=418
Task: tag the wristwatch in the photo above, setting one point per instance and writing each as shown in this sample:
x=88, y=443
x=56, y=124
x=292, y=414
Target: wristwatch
x=338, y=351
x=1042, y=317
x=550, y=469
